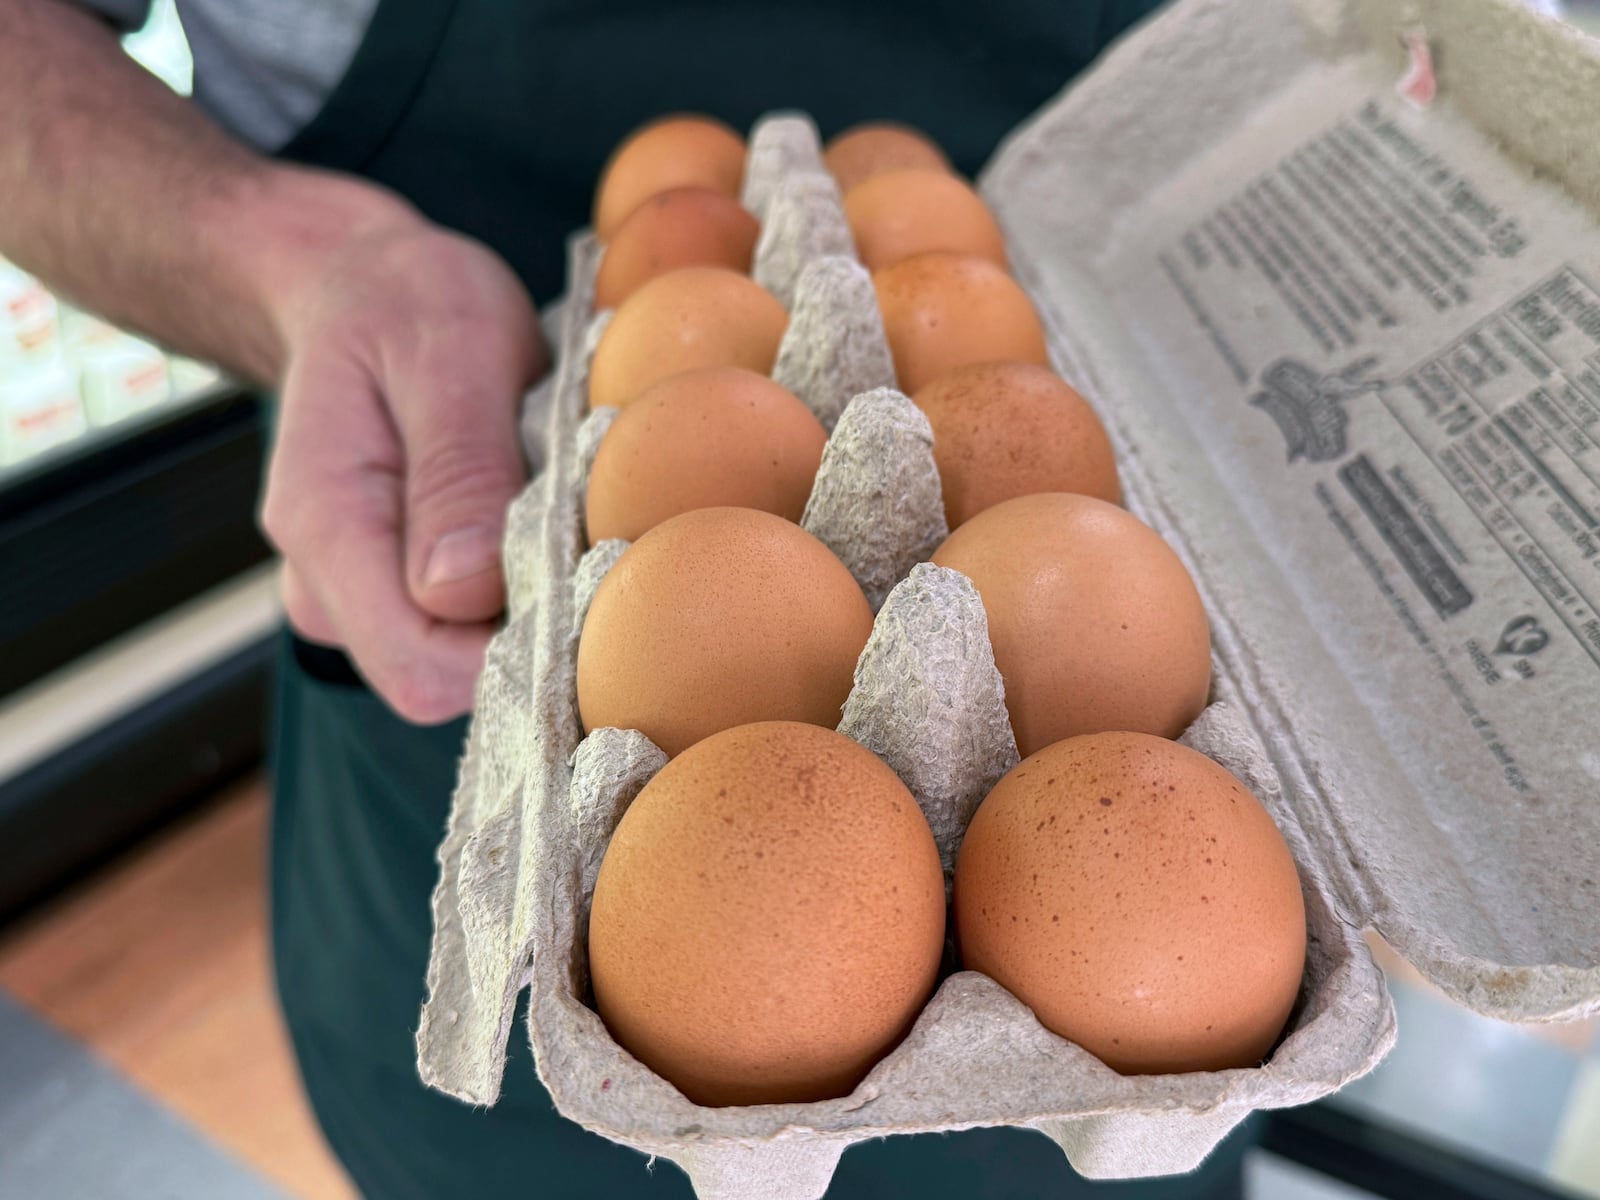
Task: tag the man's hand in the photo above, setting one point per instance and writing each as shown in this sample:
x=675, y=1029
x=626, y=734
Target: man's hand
x=400, y=350
x=408, y=350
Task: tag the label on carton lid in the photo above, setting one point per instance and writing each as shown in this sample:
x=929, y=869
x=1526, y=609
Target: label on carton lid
x=1426, y=345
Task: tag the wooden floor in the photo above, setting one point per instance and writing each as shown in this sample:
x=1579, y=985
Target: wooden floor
x=160, y=965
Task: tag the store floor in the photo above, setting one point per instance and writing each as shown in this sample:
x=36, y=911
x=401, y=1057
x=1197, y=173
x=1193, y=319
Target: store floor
x=141, y=1054
x=141, y=1042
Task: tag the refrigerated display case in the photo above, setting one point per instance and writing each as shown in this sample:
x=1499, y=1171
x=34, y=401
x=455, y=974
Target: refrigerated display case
x=136, y=604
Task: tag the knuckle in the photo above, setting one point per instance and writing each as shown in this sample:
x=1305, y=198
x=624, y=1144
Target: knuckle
x=304, y=616
x=277, y=517
x=290, y=522
x=459, y=475
x=418, y=697
x=295, y=604
x=307, y=625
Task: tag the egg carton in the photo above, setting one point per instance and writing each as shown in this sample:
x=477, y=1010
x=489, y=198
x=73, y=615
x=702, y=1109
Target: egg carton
x=539, y=801
x=1486, y=897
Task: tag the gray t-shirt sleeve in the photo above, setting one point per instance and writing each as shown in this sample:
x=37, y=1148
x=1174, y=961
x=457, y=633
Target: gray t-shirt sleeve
x=262, y=68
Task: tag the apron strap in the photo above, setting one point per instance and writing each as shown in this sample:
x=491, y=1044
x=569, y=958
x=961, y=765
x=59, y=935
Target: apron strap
x=369, y=101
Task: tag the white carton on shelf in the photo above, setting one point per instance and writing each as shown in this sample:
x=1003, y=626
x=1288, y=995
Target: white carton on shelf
x=80, y=329
x=1349, y=352
x=39, y=408
x=30, y=331
x=190, y=377
x=120, y=376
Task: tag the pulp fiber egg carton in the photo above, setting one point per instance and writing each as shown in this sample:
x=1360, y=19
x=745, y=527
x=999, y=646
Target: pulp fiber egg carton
x=1327, y=270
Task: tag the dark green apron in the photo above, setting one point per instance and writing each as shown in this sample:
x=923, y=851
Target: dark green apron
x=494, y=117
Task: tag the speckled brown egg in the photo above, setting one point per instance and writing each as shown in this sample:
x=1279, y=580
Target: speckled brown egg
x=688, y=318
x=1139, y=899
x=1094, y=620
x=719, y=436
x=684, y=227
x=673, y=152
x=1006, y=429
x=716, y=618
x=769, y=917
x=866, y=150
x=896, y=215
x=942, y=311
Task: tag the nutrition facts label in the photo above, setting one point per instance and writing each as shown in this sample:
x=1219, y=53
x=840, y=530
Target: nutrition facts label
x=1361, y=235
x=1387, y=340
x=1510, y=414
x=1350, y=230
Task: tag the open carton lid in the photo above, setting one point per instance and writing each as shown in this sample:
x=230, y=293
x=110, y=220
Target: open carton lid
x=1330, y=271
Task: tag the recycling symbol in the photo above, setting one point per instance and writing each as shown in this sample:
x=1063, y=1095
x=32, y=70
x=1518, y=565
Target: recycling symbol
x=1522, y=636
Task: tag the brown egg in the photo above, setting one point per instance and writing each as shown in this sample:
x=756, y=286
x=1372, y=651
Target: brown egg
x=1008, y=429
x=673, y=152
x=769, y=917
x=1095, y=623
x=865, y=150
x=715, y=437
x=1139, y=899
x=688, y=318
x=686, y=227
x=943, y=311
x=716, y=618
x=897, y=215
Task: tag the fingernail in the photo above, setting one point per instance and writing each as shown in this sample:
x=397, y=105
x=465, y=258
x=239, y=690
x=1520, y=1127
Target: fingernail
x=462, y=553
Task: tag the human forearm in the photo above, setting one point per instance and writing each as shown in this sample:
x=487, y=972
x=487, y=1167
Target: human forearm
x=130, y=201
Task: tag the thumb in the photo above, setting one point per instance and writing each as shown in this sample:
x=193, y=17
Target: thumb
x=463, y=468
